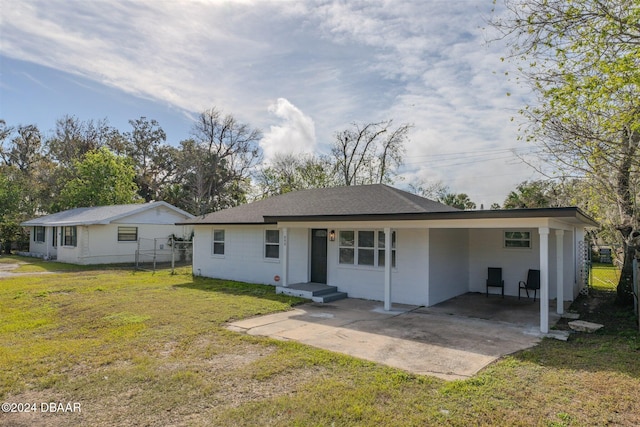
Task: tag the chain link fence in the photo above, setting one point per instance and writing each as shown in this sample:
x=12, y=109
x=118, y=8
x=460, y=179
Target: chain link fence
x=172, y=251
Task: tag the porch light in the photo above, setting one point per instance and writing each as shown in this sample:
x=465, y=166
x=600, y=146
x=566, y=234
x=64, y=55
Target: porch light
x=332, y=235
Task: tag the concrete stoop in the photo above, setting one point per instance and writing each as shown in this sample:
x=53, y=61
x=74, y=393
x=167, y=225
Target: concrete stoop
x=316, y=292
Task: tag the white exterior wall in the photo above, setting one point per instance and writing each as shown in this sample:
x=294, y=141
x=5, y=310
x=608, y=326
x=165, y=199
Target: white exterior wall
x=409, y=277
x=243, y=258
x=448, y=262
x=299, y=255
x=486, y=248
x=98, y=243
x=46, y=248
x=433, y=264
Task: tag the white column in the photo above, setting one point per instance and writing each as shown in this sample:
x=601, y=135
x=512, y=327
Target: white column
x=427, y=266
x=387, y=269
x=285, y=257
x=560, y=271
x=544, y=279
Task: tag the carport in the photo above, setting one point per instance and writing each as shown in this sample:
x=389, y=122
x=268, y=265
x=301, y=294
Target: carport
x=452, y=340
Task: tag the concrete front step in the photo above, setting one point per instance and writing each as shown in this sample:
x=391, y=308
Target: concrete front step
x=317, y=292
x=334, y=296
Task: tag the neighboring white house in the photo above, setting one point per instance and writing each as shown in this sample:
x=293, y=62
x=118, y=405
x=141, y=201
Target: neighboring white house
x=380, y=243
x=107, y=234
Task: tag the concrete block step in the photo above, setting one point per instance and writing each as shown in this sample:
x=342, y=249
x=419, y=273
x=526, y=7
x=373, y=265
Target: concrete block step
x=334, y=296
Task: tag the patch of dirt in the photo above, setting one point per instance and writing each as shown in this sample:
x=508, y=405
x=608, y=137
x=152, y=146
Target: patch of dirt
x=600, y=307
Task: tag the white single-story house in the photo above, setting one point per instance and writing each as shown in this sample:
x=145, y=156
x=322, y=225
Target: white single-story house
x=380, y=243
x=106, y=234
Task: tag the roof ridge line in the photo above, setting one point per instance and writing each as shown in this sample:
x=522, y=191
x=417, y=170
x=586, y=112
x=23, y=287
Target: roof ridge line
x=399, y=193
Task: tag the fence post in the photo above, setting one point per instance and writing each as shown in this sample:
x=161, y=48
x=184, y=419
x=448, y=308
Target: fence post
x=173, y=255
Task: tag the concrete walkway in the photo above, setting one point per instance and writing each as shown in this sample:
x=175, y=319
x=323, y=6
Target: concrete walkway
x=410, y=338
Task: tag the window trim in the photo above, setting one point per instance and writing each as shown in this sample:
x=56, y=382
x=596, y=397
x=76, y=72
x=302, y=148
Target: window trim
x=120, y=234
x=73, y=236
x=218, y=242
x=377, y=249
x=54, y=237
x=515, y=239
x=39, y=234
x=267, y=243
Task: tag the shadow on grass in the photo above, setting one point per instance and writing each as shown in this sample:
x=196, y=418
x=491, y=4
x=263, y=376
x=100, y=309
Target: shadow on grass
x=37, y=265
x=231, y=287
x=615, y=347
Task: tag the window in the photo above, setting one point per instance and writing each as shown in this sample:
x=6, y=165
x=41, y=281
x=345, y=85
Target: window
x=517, y=239
x=365, y=247
x=54, y=236
x=38, y=234
x=127, y=234
x=218, y=242
x=70, y=236
x=381, y=248
x=272, y=244
x=346, y=245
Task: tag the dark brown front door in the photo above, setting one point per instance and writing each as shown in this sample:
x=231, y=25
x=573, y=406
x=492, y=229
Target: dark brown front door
x=319, y=256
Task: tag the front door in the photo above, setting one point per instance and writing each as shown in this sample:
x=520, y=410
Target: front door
x=319, y=256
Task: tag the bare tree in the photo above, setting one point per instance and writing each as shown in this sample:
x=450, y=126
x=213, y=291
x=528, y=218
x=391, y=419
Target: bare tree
x=218, y=161
x=369, y=153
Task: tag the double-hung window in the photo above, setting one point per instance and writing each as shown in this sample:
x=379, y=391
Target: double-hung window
x=272, y=244
x=70, y=236
x=218, y=242
x=54, y=237
x=38, y=234
x=365, y=247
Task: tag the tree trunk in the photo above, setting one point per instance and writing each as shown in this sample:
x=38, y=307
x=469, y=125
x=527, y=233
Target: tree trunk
x=625, y=284
x=628, y=217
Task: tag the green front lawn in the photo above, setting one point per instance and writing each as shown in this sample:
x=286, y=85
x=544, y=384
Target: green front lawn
x=138, y=348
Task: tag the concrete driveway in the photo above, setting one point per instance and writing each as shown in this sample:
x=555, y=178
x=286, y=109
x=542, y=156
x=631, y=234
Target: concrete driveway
x=425, y=341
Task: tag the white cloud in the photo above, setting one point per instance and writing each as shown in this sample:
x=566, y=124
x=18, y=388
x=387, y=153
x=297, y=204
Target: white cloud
x=296, y=134
x=362, y=60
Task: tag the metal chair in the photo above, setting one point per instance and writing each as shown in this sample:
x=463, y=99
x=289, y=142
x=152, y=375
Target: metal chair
x=494, y=279
x=532, y=284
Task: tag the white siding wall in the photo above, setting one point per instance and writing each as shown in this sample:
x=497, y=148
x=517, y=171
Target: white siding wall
x=243, y=258
x=45, y=248
x=98, y=244
x=487, y=250
x=409, y=278
x=299, y=255
x=448, y=263
x=159, y=215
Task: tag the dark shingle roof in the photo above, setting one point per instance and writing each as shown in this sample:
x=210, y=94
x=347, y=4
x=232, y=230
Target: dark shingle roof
x=359, y=200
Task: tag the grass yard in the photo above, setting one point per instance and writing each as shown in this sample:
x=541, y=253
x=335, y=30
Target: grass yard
x=137, y=348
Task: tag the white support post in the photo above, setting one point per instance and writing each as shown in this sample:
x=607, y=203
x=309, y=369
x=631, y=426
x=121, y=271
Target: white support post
x=544, y=279
x=285, y=257
x=387, y=269
x=560, y=271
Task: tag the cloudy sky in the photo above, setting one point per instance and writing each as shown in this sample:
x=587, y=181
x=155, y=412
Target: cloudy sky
x=298, y=70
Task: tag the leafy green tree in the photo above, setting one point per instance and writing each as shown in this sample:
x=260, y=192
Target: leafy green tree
x=458, y=200
x=582, y=59
x=10, y=209
x=101, y=178
x=154, y=161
